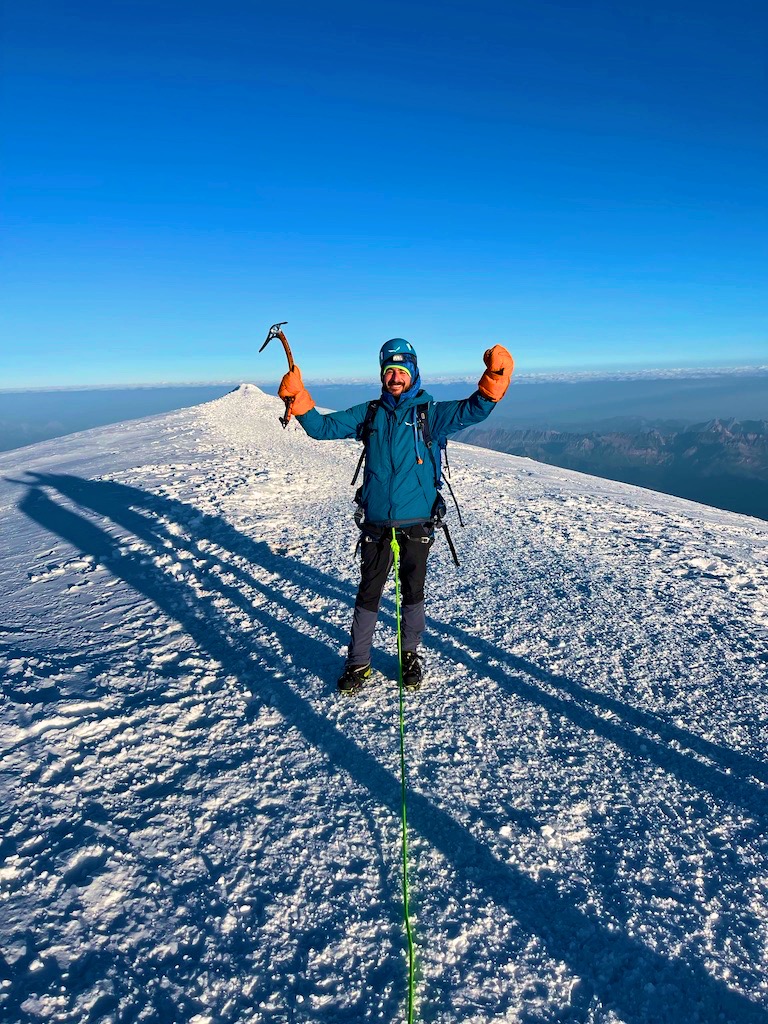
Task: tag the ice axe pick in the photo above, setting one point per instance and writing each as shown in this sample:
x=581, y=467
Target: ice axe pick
x=275, y=331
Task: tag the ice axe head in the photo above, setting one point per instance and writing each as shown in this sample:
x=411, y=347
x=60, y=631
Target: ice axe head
x=275, y=331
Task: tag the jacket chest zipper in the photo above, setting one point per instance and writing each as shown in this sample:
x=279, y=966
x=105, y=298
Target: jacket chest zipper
x=392, y=428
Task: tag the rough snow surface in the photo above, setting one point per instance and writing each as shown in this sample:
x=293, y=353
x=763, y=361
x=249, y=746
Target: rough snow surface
x=195, y=828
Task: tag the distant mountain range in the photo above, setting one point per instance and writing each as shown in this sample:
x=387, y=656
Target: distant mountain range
x=721, y=462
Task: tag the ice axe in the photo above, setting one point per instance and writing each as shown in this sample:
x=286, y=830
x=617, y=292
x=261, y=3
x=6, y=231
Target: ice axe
x=275, y=331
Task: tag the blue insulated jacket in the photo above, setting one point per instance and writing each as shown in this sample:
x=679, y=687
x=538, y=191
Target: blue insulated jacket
x=397, y=489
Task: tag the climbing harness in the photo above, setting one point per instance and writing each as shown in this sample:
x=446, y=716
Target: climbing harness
x=406, y=907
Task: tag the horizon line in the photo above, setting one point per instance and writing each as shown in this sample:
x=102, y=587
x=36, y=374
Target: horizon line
x=565, y=375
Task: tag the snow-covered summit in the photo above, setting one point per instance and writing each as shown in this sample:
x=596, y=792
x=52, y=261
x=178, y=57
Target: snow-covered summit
x=247, y=391
x=197, y=829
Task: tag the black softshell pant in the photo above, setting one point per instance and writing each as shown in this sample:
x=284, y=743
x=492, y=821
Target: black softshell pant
x=376, y=561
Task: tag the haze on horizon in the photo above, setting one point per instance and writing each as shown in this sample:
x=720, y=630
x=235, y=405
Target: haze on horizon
x=553, y=401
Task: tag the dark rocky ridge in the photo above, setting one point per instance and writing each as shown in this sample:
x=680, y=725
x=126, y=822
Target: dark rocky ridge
x=722, y=462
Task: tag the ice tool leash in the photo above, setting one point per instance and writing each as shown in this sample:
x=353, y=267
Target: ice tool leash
x=406, y=909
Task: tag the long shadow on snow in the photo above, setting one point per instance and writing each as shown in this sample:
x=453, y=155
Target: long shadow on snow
x=121, y=502
x=622, y=973
x=736, y=785
x=208, y=627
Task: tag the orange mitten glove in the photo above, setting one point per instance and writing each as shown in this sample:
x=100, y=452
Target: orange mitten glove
x=292, y=386
x=495, y=381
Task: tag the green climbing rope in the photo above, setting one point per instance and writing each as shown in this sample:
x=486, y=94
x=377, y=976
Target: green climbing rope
x=406, y=909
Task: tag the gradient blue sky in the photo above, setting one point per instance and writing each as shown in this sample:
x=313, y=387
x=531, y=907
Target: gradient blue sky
x=582, y=181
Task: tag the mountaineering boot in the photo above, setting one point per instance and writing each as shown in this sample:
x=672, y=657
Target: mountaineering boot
x=352, y=678
x=412, y=671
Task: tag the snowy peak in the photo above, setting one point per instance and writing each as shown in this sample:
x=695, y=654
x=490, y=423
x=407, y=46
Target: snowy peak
x=247, y=389
x=247, y=412
x=250, y=393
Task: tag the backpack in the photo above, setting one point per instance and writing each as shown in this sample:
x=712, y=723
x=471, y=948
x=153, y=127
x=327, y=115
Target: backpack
x=439, y=509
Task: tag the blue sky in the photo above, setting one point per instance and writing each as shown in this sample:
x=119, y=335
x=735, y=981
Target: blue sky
x=584, y=182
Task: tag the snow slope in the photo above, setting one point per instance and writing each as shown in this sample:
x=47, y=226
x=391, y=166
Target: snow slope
x=195, y=828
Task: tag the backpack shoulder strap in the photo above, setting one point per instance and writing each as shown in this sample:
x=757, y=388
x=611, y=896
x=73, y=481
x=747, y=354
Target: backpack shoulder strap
x=364, y=428
x=422, y=419
x=425, y=431
x=364, y=433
